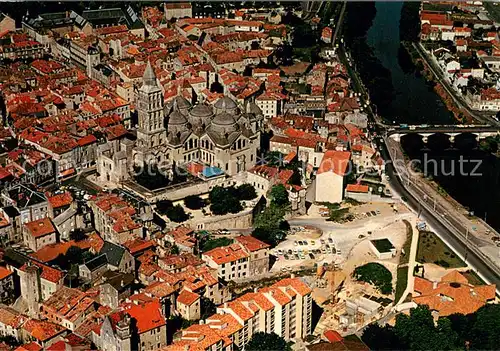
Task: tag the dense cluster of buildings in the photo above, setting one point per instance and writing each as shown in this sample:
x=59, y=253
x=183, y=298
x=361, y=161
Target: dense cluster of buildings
x=466, y=47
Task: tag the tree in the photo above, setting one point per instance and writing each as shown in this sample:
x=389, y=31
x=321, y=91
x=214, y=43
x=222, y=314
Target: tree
x=213, y=243
x=177, y=214
x=75, y=254
x=150, y=176
x=279, y=195
x=381, y=338
x=174, y=250
x=263, y=341
x=270, y=225
x=224, y=200
x=246, y=192
x=194, y=202
x=376, y=274
x=419, y=332
x=163, y=205
x=485, y=332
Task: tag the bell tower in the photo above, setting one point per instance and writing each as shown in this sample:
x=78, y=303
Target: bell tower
x=151, y=130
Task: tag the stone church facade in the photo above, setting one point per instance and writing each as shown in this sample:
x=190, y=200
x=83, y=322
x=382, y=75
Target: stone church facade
x=224, y=135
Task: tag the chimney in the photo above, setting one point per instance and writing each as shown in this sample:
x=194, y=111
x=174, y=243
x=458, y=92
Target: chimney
x=121, y=283
x=201, y=322
x=292, y=275
x=225, y=304
x=255, y=289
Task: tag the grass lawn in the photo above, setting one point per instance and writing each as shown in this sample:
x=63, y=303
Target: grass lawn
x=401, y=282
x=431, y=249
x=473, y=278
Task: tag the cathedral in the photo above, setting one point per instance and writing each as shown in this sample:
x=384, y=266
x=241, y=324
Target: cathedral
x=224, y=134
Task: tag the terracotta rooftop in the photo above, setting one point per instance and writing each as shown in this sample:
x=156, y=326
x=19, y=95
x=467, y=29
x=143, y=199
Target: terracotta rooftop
x=335, y=161
x=231, y=253
x=453, y=294
x=41, y=227
x=251, y=244
x=187, y=297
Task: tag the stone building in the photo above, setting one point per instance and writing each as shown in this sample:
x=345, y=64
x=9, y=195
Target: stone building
x=224, y=135
x=259, y=254
x=115, y=333
x=7, y=294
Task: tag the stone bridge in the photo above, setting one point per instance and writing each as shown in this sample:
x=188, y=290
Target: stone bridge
x=480, y=132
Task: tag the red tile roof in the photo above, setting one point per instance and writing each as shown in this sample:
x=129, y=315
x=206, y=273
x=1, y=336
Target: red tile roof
x=48, y=273
x=147, y=314
x=187, y=297
x=61, y=200
x=42, y=330
x=251, y=244
x=453, y=294
x=32, y=346
x=41, y=227
x=333, y=336
x=4, y=273
x=357, y=188
x=231, y=253
x=335, y=161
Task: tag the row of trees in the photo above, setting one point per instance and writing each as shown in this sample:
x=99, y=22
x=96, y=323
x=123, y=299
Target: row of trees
x=476, y=331
x=222, y=201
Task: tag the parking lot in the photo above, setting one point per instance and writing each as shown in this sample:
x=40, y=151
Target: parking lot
x=336, y=241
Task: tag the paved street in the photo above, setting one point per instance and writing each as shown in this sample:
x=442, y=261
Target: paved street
x=447, y=222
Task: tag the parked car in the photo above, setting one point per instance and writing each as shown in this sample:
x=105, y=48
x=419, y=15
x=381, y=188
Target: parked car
x=330, y=240
x=311, y=256
x=373, y=213
x=322, y=241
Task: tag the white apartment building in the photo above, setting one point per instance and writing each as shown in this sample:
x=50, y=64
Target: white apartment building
x=231, y=262
x=284, y=308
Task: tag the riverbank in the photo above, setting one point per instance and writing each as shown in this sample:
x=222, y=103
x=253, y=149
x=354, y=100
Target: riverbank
x=461, y=115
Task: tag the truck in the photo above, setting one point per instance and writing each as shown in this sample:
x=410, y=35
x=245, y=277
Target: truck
x=403, y=126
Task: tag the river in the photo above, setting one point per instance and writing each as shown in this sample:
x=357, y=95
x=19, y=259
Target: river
x=415, y=102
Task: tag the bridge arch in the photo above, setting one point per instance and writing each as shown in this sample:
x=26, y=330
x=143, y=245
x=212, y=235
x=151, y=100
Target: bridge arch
x=466, y=140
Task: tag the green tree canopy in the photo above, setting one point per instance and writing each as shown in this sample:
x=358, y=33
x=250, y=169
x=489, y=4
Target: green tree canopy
x=261, y=341
x=77, y=234
x=270, y=225
x=246, y=192
x=376, y=274
x=163, y=205
x=177, y=214
x=417, y=331
x=207, y=308
x=279, y=195
x=224, y=200
x=213, y=243
x=194, y=202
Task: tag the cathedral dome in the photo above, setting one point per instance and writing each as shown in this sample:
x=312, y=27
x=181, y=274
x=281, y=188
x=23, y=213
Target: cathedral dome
x=176, y=118
x=224, y=119
x=201, y=111
x=225, y=103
